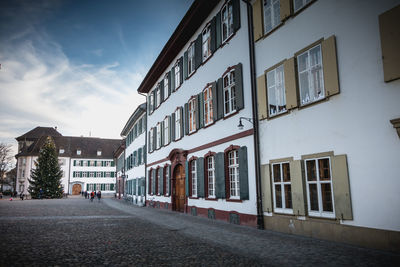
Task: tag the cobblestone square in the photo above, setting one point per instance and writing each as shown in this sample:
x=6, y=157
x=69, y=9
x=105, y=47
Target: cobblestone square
x=75, y=231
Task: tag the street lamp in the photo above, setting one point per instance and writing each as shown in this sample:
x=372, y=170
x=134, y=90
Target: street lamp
x=240, y=126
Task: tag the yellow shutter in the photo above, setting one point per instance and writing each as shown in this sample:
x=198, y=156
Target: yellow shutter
x=290, y=83
x=298, y=190
x=257, y=20
x=262, y=97
x=329, y=61
x=285, y=9
x=341, y=188
x=266, y=188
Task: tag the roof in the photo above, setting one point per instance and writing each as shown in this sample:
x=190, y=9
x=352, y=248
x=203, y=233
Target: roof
x=192, y=20
x=133, y=118
x=38, y=132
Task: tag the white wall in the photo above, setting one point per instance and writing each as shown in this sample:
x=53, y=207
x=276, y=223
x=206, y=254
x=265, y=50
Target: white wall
x=355, y=122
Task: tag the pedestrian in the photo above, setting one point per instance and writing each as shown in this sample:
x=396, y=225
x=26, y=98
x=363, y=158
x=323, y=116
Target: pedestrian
x=40, y=193
x=85, y=194
x=98, y=195
x=91, y=196
x=22, y=196
x=82, y=192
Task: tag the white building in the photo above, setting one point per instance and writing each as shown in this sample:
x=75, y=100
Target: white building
x=134, y=134
x=329, y=153
x=87, y=162
x=198, y=161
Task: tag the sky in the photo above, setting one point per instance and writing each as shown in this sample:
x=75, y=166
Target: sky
x=77, y=64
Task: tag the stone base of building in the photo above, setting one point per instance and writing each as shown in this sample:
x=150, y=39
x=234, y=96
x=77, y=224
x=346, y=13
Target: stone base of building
x=332, y=230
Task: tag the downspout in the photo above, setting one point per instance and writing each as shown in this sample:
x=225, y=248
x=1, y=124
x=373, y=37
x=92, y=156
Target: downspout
x=145, y=143
x=260, y=217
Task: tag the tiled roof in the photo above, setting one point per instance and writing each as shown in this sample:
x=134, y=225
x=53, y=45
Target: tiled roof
x=38, y=132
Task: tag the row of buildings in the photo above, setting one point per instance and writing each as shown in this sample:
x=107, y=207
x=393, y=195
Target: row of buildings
x=281, y=114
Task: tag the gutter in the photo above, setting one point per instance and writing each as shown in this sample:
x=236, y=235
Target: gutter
x=260, y=217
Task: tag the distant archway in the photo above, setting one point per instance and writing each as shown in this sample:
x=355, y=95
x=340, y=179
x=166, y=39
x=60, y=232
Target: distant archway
x=76, y=189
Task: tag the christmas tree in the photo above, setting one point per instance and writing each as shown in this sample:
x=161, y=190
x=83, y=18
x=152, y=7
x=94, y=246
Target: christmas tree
x=45, y=180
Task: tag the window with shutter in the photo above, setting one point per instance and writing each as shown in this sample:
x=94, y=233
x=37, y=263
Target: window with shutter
x=158, y=136
x=229, y=92
x=191, y=59
x=193, y=177
x=177, y=78
x=227, y=20
x=166, y=88
x=276, y=91
x=166, y=130
x=272, y=16
x=299, y=4
x=208, y=106
x=192, y=115
x=206, y=42
x=219, y=175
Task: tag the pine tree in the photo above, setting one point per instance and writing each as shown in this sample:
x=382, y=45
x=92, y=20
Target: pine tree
x=47, y=175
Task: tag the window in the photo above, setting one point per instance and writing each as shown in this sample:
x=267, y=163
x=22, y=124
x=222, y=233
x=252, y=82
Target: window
x=177, y=75
x=233, y=168
x=158, y=136
x=211, y=176
x=319, y=187
x=108, y=174
x=99, y=163
x=281, y=187
x=206, y=38
x=99, y=174
x=107, y=187
x=79, y=163
x=208, y=106
x=151, y=101
x=276, y=91
x=159, y=181
x=158, y=96
x=144, y=124
x=298, y=4
x=151, y=139
x=272, y=16
x=192, y=115
x=309, y=67
x=140, y=126
x=166, y=130
x=78, y=152
x=191, y=66
x=166, y=84
x=61, y=151
x=227, y=21
x=166, y=170
x=98, y=152
x=91, y=174
x=229, y=93
x=193, y=174
x=177, y=124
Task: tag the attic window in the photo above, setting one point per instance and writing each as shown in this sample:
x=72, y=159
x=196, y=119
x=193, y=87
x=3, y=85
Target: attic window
x=78, y=152
x=61, y=150
x=98, y=152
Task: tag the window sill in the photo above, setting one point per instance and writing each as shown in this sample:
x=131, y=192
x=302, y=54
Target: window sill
x=210, y=124
x=212, y=199
x=269, y=117
x=265, y=35
x=193, y=197
x=227, y=39
x=313, y=103
x=230, y=115
x=191, y=74
x=234, y=200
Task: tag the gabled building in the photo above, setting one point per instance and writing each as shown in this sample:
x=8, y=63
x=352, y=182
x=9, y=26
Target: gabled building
x=198, y=88
x=134, y=134
x=87, y=162
x=328, y=89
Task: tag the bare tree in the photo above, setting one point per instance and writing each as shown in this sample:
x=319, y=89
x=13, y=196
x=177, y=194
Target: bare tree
x=5, y=161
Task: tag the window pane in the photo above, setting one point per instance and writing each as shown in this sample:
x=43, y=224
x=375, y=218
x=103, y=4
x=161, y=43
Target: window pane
x=313, y=197
x=311, y=171
x=324, y=170
x=278, y=196
x=326, y=197
x=288, y=196
x=277, y=172
x=286, y=172
x=304, y=88
x=302, y=62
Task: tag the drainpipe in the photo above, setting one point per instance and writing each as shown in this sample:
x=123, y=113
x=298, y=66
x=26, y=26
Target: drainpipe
x=145, y=142
x=260, y=217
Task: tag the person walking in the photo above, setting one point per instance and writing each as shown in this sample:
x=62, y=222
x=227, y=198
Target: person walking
x=40, y=193
x=85, y=194
x=91, y=196
x=21, y=196
x=99, y=195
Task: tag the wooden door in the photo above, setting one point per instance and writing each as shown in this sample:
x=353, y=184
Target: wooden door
x=179, y=188
x=76, y=189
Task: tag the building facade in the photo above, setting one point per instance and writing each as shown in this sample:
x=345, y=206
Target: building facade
x=134, y=134
x=325, y=102
x=87, y=163
x=199, y=87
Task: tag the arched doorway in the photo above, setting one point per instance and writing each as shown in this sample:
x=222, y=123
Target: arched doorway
x=76, y=189
x=178, y=192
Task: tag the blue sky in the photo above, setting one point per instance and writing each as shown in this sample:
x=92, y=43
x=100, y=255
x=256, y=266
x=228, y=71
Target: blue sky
x=76, y=64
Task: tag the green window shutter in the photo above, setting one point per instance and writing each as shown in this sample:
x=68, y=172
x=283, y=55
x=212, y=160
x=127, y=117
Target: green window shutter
x=87, y=187
x=285, y=9
x=173, y=79
x=187, y=178
x=329, y=62
x=95, y=174
x=298, y=187
x=80, y=174
x=214, y=100
x=262, y=97
x=258, y=19
x=81, y=162
x=168, y=181
x=154, y=138
x=149, y=182
x=94, y=187
x=198, y=51
x=149, y=140
x=162, y=90
x=236, y=14
x=213, y=35
x=290, y=83
x=266, y=188
x=161, y=170
x=186, y=118
x=112, y=164
x=341, y=188
x=95, y=163
x=169, y=125
x=243, y=173
x=162, y=133
x=218, y=30
x=200, y=111
x=182, y=130
x=74, y=162
x=181, y=69
x=239, y=87
x=185, y=65
x=169, y=83
x=200, y=177
x=102, y=187
x=220, y=100
x=111, y=186
x=172, y=126
x=144, y=154
x=140, y=156
x=220, y=175
x=103, y=174
x=153, y=181
x=112, y=174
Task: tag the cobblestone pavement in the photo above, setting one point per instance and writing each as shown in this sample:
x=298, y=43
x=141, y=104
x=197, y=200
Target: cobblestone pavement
x=75, y=232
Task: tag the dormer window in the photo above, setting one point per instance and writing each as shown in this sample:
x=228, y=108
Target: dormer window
x=98, y=152
x=61, y=151
x=78, y=152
